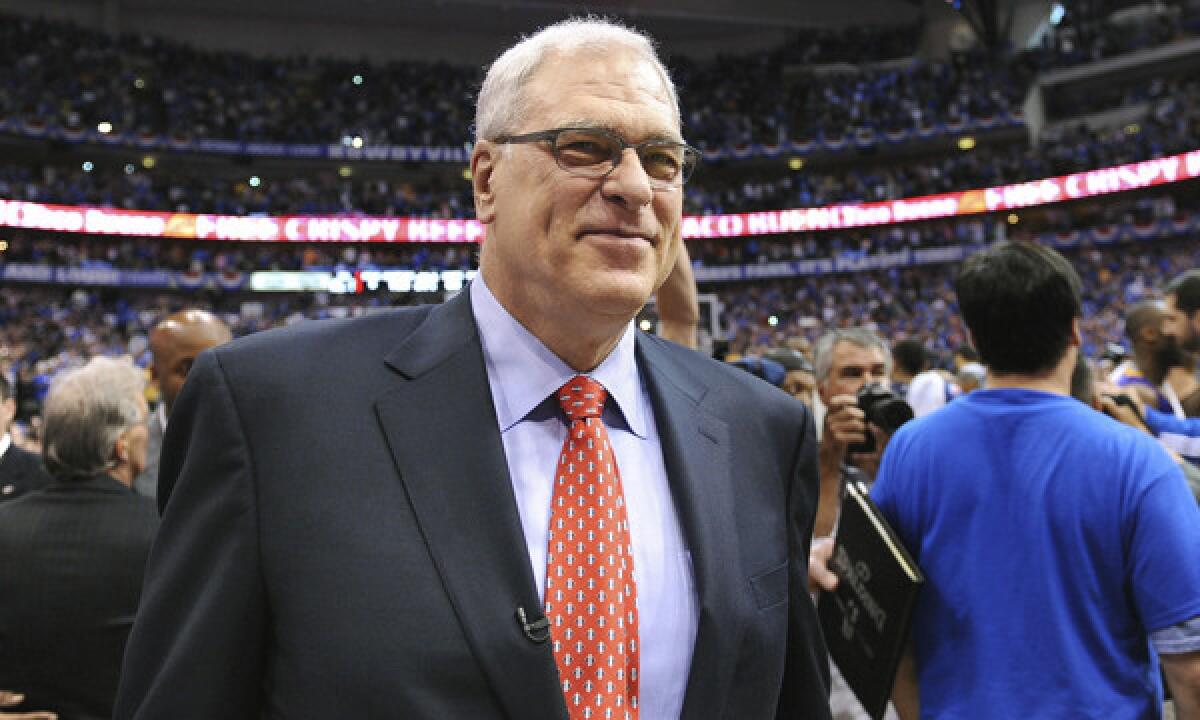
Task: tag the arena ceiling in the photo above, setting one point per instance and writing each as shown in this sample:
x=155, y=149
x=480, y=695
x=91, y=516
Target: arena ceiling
x=520, y=15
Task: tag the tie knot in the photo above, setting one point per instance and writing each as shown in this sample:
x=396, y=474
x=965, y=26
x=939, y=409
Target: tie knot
x=582, y=397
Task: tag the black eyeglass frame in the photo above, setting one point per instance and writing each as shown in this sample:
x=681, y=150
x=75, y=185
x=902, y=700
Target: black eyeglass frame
x=691, y=156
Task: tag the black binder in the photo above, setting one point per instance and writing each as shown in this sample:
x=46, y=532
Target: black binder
x=867, y=619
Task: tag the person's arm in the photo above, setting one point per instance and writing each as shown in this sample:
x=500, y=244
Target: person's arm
x=845, y=425
x=1160, y=422
x=1183, y=678
x=805, y=687
x=906, y=697
x=678, y=303
x=197, y=645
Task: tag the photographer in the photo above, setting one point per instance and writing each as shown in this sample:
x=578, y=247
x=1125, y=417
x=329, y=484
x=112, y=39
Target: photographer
x=848, y=359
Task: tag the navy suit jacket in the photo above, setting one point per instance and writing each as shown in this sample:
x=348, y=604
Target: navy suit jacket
x=340, y=536
x=72, y=557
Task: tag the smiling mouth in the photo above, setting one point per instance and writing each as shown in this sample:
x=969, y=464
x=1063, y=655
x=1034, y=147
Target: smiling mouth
x=620, y=235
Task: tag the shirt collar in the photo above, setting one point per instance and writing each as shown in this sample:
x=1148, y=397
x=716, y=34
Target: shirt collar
x=523, y=372
x=5, y=442
x=160, y=416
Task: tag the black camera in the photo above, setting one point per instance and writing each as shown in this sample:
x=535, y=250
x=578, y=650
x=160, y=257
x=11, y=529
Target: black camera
x=882, y=408
x=1127, y=402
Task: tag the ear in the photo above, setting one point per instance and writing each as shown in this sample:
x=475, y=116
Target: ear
x=121, y=450
x=483, y=166
x=1076, y=334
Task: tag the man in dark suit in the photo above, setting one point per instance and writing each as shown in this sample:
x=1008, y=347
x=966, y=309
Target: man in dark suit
x=174, y=344
x=73, y=554
x=20, y=470
x=363, y=518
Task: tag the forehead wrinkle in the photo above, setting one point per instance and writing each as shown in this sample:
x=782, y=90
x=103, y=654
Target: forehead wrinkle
x=625, y=89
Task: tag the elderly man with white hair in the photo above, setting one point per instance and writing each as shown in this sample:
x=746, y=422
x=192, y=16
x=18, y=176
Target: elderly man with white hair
x=73, y=554
x=511, y=505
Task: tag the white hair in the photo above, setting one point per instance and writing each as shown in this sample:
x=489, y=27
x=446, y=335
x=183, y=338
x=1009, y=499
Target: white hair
x=501, y=106
x=861, y=336
x=85, y=412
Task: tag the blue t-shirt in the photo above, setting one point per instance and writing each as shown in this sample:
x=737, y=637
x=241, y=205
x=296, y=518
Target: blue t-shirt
x=1054, y=540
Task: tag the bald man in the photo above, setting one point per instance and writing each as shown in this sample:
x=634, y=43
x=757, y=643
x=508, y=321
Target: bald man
x=174, y=343
x=1144, y=372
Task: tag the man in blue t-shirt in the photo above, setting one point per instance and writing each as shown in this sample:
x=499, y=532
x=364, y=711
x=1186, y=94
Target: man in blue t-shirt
x=1059, y=546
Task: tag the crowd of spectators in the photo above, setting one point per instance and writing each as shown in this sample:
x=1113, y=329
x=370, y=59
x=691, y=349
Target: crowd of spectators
x=1172, y=127
x=919, y=302
x=319, y=193
x=46, y=329
x=1088, y=33
x=125, y=253
x=852, y=45
x=74, y=78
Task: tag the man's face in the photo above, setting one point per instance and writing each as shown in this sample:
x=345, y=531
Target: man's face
x=851, y=367
x=172, y=359
x=1177, y=324
x=800, y=385
x=572, y=248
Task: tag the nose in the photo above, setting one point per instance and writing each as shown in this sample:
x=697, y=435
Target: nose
x=628, y=184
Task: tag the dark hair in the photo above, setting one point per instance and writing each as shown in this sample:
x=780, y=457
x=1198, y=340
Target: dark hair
x=1186, y=289
x=790, y=359
x=1147, y=313
x=910, y=356
x=1019, y=301
x=6, y=390
x=968, y=353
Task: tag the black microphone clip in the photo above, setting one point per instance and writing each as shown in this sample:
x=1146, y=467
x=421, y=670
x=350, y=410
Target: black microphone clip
x=537, y=631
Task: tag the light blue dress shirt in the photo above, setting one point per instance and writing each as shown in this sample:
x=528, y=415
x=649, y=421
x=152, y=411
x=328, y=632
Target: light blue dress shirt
x=523, y=375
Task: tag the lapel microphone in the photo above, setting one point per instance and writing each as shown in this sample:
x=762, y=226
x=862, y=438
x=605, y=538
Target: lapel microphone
x=537, y=631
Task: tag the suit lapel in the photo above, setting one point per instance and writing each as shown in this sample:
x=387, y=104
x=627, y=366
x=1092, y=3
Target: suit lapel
x=443, y=434
x=696, y=451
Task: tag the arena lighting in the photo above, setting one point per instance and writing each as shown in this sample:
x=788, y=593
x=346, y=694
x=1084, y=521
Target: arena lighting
x=304, y=228
x=88, y=166
x=104, y=128
x=255, y=181
x=796, y=163
x=773, y=321
x=3, y=245
x=357, y=79
x=139, y=83
x=1013, y=219
x=357, y=142
x=345, y=171
x=1132, y=129
x=466, y=173
x=149, y=162
x=1057, y=14
x=966, y=142
x=347, y=141
x=130, y=169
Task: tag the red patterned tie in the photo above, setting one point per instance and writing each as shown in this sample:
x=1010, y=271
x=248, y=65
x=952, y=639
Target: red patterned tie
x=591, y=598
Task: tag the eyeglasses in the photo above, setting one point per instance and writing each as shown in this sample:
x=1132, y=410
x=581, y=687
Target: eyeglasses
x=596, y=152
